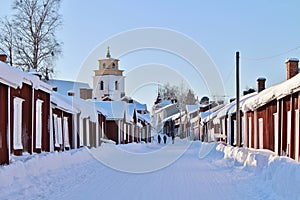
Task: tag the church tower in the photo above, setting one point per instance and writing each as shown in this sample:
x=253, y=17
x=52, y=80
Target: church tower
x=108, y=81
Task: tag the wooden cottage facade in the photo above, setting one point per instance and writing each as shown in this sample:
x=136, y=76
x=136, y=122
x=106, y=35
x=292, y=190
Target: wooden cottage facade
x=25, y=100
x=273, y=116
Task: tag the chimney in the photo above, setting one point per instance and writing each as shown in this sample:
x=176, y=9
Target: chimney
x=291, y=67
x=3, y=57
x=261, y=84
x=86, y=93
x=71, y=93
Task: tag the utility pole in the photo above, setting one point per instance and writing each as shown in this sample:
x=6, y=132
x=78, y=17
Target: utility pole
x=238, y=114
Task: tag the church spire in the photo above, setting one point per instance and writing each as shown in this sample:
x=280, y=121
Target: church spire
x=108, y=53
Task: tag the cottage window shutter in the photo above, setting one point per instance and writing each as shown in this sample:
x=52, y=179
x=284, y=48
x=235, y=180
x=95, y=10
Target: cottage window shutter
x=289, y=125
x=276, y=139
x=261, y=132
x=17, y=123
x=66, y=132
x=55, y=122
x=297, y=135
x=59, y=132
x=81, y=132
x=38, y=127
x=87, y=132
x=250, y=132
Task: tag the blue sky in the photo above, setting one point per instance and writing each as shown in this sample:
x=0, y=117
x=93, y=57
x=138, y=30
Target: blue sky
x=258, y=29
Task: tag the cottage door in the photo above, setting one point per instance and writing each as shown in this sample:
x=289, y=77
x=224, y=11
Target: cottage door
x=3, y=124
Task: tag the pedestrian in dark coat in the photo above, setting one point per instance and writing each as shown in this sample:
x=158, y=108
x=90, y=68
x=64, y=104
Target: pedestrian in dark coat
x=165, y=139
x=158, y=139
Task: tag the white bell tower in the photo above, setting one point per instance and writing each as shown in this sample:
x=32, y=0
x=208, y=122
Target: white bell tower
x=108, y=81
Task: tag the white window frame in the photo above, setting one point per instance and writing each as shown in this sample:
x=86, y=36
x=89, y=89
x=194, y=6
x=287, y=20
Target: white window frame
x=59, y=130
x=289, y=127
x=234, y=132
x=66, y=133
x=87, y=121
x=297, y=135
x=38, y=123
x=56, y=143
x=81, y=132
x=17, y=129
x=250, y=132
x=261, y=132
x=276, y=133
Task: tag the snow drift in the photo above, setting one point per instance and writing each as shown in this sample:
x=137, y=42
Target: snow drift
x=282, y=173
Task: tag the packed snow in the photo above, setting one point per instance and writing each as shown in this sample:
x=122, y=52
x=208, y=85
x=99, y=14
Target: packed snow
x=196, y=171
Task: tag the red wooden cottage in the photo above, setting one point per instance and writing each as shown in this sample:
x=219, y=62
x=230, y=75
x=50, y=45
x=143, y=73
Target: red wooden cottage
x=273, y=116
x=27, y=105
x=115, y=120
x=64, y=123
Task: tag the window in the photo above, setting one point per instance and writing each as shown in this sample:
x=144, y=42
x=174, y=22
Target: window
x=103, y=65
x=101, y=85
x=18, y=123
x=38, y=125
x=113, y=65
x=116, y=85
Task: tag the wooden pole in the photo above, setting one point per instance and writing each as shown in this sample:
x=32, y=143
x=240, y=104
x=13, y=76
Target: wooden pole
x=238, y=114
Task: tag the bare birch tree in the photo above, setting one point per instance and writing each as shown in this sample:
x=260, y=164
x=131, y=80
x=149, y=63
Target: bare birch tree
x=35, y=23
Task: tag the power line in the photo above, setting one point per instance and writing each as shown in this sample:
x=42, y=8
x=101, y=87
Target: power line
x=273, y=56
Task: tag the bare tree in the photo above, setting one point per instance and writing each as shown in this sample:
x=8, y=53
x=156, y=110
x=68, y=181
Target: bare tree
x=182, y=94
x=35, y=23
x=7, y=38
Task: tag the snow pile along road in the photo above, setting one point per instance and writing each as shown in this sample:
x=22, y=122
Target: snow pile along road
x=282, y=173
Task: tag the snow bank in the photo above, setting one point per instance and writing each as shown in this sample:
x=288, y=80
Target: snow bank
x=38, y=164
x=282, y=173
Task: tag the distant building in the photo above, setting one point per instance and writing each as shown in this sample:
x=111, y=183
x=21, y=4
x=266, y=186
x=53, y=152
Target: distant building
x=108, y=81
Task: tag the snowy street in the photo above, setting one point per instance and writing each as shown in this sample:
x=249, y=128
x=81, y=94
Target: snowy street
x=78, y=175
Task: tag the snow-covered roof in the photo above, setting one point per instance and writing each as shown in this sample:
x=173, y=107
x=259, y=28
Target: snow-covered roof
x=15, y=78
x=139, y=106
x=162, y=105
x=167, y=106
x=115, y=110
x=63, y=87
x=87, y=108
x=175, y=116
x=211, y=113
x=274, y=92
x=130, y=111
x=145, y=117
x=191, y=108
x=63, y=102
x=231, y=107
x=292, y=59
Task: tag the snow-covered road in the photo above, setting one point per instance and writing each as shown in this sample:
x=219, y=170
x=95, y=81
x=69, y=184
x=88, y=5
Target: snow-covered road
x=81, y=176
